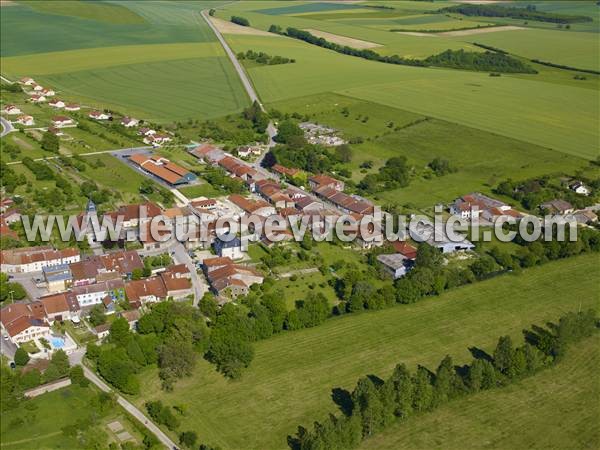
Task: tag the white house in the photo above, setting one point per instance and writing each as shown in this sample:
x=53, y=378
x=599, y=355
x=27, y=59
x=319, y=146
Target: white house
x=396, y=264
x=27, y=81
x=33, y=259
x=11, y=110
x=62, y=121
x=25, y=120
x=146, y=131
x=56, y=103
x=129, y=122
x=230, y=249
x=48, y=92
x=37, y=87
x=72, y=107
x=22, y=322
x=579, y=188
x=98, y=115
x=94, y=294
x=36, y=98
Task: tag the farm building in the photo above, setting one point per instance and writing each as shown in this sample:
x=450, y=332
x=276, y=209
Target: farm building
x=164, y=169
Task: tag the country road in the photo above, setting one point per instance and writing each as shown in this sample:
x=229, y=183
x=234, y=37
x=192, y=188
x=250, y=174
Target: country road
x=271, y=129
x=6, y=127
x=162, y=437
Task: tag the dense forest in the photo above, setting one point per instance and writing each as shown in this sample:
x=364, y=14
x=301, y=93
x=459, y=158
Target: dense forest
x=486, y=61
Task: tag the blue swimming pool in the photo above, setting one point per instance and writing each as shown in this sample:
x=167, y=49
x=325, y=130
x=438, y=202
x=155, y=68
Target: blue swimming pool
x=57, y=342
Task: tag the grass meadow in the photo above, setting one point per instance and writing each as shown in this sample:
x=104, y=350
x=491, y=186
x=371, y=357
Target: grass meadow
x=37, y=423
x=556, y=408
x=290, y=380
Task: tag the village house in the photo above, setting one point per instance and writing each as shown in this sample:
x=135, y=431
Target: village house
x=91, y=269
x=11, y=110
x=318, y=181
x=36, y=98
x=99, y=115
x=405, y=249
x=58, y=278
x=48, y=92
x=72, y=107
x=135, y=214
x=477, y=205
x=231, y=249
x=229, y=279
x=163, y=169
x=425, y=231
x=579, y=188
x=208, y=153
x=585, y=217
x=37, y=88
x=397, y=265
x=34, y=259
x=27, y=81
x=237, y=168
x=20, y=324
x=132, y=317
x=285, y=171
x=56, y=103
x=94, y=294
x=25, y=120
x=557, y=206
x=62, y=121
x=177, y=281
x=249, y=207
x=148, y=290
x=145, y=131
x=156, y=140
x=59, y=307
x=129, y=122
x=56, y=131
x=246, y=151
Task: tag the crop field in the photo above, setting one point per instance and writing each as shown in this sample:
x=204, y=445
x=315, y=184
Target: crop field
x=518, y=107
x=429, y=22
x=571, y=48
x=555, y=408
x=290, y=380
x=407, y=46
x=165, y=65
x=309, y=8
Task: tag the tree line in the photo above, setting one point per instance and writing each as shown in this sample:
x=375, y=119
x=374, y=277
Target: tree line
x=529, y=13
x=240, y=21
x=456, y=59
x=375, y=404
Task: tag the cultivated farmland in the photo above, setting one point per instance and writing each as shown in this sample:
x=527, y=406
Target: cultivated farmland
x=165, y=66
x=290, y=380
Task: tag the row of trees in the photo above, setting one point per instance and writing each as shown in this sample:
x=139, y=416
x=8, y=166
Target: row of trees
x=344, y=49
x=240, y=21
x=374, y=403
x=529, y=13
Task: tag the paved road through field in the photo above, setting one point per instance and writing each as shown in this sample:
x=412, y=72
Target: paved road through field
x=271, y=129
x=6, y=127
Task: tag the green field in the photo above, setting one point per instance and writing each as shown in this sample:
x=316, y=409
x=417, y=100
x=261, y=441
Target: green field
x=518, y=107
x=290, y=380
x=37, y=423
x=576, y=49
x=428, y=22
x=556, y=408
x=308, y=8
x=166, y=66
